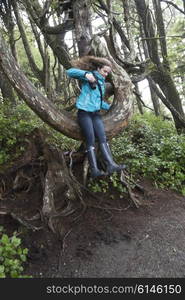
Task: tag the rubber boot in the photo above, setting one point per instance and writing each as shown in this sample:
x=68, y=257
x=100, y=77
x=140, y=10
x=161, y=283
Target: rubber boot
x=93, y=163
x=107, y=156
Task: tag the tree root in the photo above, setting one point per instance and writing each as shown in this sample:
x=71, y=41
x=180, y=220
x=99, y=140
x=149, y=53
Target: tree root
x=41, y=190
x=25, y=222
x=125, y=181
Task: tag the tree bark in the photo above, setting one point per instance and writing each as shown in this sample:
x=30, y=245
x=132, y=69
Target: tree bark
x=6, y=89
x=83, y=27
x=155, y=99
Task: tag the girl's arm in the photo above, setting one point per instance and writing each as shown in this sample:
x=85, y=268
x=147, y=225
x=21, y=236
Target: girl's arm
x=105, y=105
x=77, y=74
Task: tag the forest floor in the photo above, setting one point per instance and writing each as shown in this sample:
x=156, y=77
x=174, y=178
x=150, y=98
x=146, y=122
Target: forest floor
x=110, y=239
x=117, y=242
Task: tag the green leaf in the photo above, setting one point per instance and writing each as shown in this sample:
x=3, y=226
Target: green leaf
x=4, y=239
x=15, y=241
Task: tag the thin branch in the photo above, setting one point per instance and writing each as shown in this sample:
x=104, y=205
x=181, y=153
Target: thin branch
x=174, y=5
x=161, y=37
x=107, y=10
x=167, y=103
x=139, y=98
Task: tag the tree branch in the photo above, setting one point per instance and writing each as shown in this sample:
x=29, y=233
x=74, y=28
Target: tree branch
x=38, y=73
x=58, y=29
x=116, y=25
x=174, y=5
x=167, y=103
x=34, y=10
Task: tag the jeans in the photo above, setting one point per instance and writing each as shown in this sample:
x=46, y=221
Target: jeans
x=92, y=127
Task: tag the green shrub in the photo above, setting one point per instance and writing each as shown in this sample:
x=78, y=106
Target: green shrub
x=106, y=185
x=12, y=256
x=18, y=122
x=15, y=124
x=151, y=147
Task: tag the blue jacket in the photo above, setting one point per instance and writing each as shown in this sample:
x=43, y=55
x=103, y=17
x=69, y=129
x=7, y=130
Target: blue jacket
x=89, y=99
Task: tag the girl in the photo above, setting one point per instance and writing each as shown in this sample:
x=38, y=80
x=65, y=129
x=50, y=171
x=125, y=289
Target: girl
x=92, y=71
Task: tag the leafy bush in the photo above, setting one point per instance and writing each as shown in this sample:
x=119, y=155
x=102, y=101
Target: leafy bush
x=18, y=122
x=106, y=185
x=12, y=256
x=151, y=147
x=15, y=124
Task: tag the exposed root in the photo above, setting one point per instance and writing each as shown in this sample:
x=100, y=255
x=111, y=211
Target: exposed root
x=63, y=249
x=125, y=182
x=41, y=190
x=85, y=171
x=25, y=222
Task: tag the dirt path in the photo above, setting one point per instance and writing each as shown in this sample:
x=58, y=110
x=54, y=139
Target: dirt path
x=145, y=242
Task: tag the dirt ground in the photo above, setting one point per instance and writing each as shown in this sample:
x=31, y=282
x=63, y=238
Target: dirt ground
x=113, y=239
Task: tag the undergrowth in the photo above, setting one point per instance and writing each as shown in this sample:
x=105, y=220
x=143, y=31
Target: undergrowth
x=150, y=146
x=12, y=256
x=16, y=123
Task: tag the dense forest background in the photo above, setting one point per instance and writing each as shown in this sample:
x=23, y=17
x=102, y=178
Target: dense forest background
x=145, y=40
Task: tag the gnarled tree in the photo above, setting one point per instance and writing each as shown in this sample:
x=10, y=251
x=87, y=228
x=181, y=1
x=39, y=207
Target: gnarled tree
x=115, y=120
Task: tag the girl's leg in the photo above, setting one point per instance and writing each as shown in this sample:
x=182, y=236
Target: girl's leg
x=99, y=128
x=86, y=124
x=104, y=147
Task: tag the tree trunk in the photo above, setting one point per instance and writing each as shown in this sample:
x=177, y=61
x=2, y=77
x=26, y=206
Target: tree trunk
x=155, y=99
x=161, y=74
x=54, y=36
x=138, y=99
x=83, y=27
x=168, y=87
x=6, y=89
x=38, y=73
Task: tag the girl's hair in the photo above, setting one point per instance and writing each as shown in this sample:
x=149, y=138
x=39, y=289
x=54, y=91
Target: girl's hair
x=90, y=63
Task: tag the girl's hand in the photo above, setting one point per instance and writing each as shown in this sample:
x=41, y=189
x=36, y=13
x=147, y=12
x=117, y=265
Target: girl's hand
x=90, y=77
